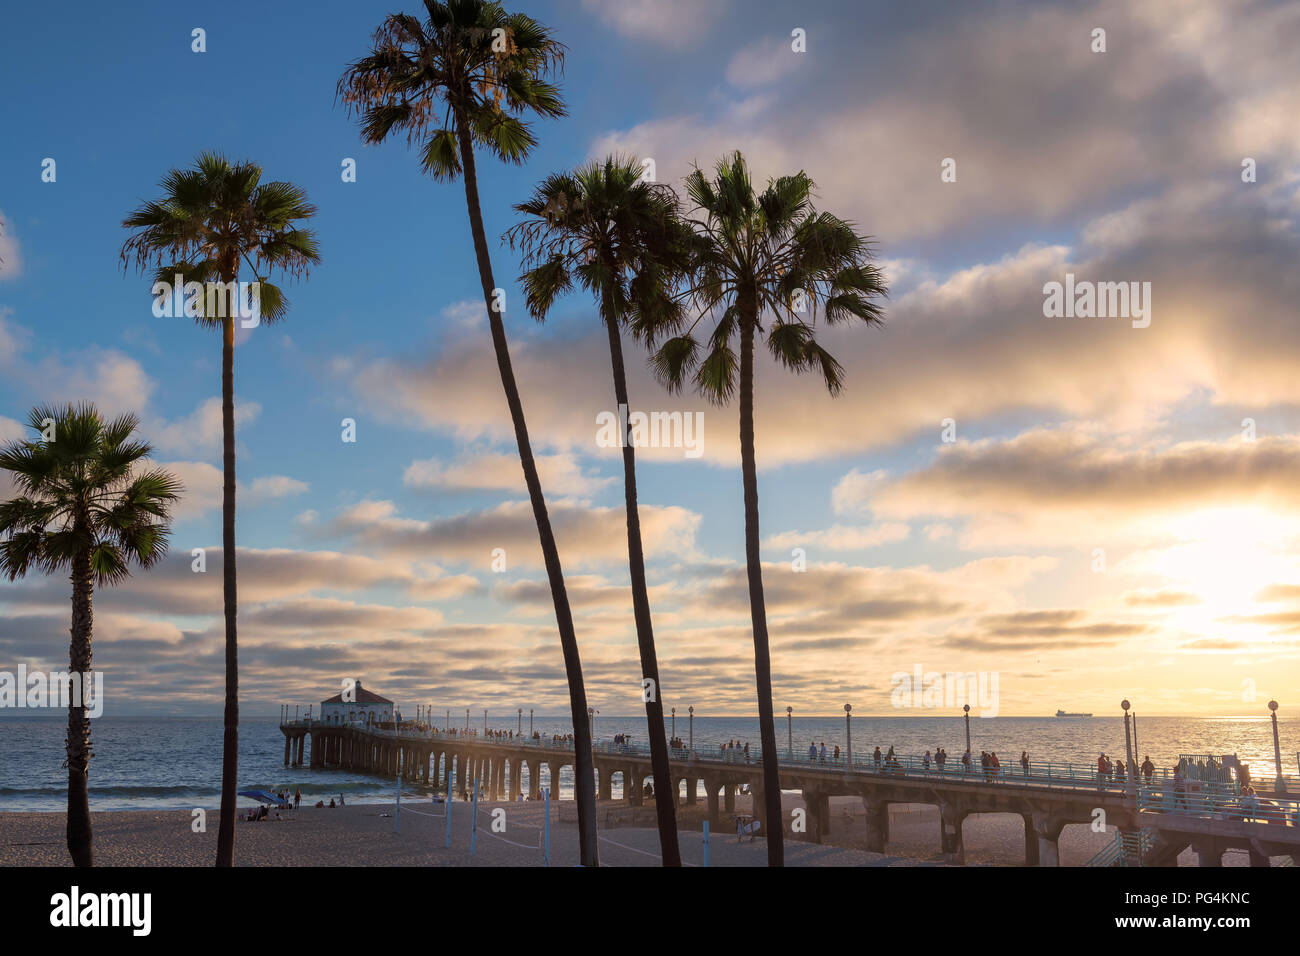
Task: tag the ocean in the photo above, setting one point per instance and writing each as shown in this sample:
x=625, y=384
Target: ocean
x=143, y=763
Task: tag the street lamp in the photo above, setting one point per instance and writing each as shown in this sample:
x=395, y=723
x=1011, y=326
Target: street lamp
x=484, y=721
x=1280, y=783
x=519, y=730
x=789, y=730
x=691, y=712
x=848, y=730
x=966, y=708
x=1130, y=781
x=467, y=720
x=674, y=733
x=530, y=721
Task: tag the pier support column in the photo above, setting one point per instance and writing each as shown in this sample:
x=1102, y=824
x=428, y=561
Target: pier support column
x=1209, y=853
x=757, y=805
x=287, y=741
x=729, y=797
x=711, y=788
x=1048, y=831
x=813, y=823
x=954, y=847
x=1031, y=841
x=690, y=790
x=606, y=784
x=1257, y=858
x=877, y=824
x=534, y=779
x=498, y=778
x=555, y=781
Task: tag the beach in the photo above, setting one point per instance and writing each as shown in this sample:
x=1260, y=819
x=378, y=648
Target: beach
x=363, y=835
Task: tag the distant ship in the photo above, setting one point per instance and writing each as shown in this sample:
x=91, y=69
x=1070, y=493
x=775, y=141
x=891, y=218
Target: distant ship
x=1061, y=713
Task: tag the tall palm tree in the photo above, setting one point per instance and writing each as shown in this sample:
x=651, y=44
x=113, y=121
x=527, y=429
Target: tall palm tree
x=759, y=255
x=619, y=238
x=85, y=504
x=213, y=222
x=465, y=77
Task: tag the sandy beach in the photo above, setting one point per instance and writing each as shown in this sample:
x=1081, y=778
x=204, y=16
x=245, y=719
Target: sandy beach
x=363, y=835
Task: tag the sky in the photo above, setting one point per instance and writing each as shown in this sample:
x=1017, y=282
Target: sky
x=1091, y=508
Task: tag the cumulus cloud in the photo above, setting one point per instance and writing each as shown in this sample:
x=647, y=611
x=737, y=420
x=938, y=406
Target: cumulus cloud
x=561, y=474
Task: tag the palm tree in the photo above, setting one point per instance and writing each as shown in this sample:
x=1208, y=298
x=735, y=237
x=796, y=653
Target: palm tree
x=84, y=505
x=212, y=222
x=757, y=255
x=620, y=239
x=464, y=77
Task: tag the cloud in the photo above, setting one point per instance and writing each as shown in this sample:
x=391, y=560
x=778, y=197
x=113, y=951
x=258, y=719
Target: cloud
x=671, y=23
x=11, y=262
x=561, y=474
x=203, y=488
x=199, y=432
x=586, y=535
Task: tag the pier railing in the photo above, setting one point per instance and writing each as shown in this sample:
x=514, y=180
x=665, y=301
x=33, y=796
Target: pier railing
x=1048, y=774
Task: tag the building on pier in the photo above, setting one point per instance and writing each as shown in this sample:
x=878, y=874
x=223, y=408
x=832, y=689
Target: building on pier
x=356, y=706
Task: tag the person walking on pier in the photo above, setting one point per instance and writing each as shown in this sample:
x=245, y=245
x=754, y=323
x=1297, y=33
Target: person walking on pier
x=965, y=762
x=812, y=753
x=876, y=757
x=1148, y=768
x=940, y=757
x=823, y=752
x=995, y=766
x=926, y=761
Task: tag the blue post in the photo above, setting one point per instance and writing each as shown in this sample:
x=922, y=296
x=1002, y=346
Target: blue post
x=451, y=788
x=473, y=824
x=706, y=842
x=546, y=796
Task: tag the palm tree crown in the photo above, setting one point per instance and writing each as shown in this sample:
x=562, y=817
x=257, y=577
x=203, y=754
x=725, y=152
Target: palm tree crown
x=216, y=217
x=469, y=65
x=770, y=253
x=83, y=492
x=614, y=234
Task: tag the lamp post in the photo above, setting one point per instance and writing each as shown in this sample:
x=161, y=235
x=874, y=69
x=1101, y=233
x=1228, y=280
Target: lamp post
x=691, y=712
x=674, y=733
x=1136, y=749
x=848, y=730
x=467, y=720
x=1279, y=783
x=1130, y=781
x=789, y=730
x=519, y=729
x=484, y=721
x=530, y=721
x=966, y=708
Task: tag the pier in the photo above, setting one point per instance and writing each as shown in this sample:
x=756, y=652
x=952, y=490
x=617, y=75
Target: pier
x=1155, y=822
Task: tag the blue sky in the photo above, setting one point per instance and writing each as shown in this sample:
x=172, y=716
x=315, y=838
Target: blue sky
x=972, y=555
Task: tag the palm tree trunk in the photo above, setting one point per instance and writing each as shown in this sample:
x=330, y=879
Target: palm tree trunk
x=665, y=792
x=757, y=607
x=78, y=742
x=583, y=768
x=230, y=741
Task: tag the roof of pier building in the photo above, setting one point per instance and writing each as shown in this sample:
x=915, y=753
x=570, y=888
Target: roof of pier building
x=360, y=696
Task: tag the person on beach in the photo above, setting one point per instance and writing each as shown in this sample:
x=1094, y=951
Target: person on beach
x=340, y=799
x=297, y=798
